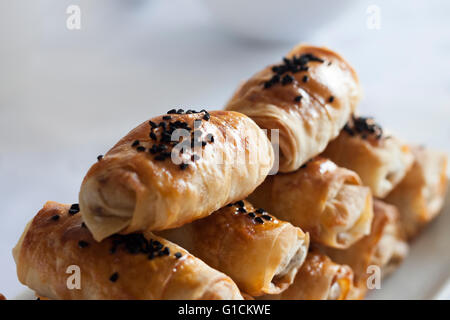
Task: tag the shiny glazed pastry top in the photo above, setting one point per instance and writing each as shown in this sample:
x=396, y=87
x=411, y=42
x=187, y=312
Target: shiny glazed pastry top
x=56, y=244
x=309, y=98
x=147, y=181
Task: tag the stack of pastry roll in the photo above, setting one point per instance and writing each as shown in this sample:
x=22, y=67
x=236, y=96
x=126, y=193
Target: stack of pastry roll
x=420, y=195
x=138, y=187
x=173, y=210
x=380, y=159
x=133, y=266
x=259, y=252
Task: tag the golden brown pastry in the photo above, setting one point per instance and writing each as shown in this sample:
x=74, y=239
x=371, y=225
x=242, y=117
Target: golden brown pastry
x=259, y=252
x=384, y=247
x=309, y=98
x=138, y=186
x=319, y=278
x=133, y=266
x=420, y=196
x=323, y=199
x=380, y=160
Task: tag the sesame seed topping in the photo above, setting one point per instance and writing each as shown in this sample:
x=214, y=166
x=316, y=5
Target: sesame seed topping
x=114, y=277
x=55, y=217
x=240, y=203
x=184, y=166
x=242, y=210
x=75, y=208
x=83, y=244
x=135, y=143
x=287, y=79
x=259, y=220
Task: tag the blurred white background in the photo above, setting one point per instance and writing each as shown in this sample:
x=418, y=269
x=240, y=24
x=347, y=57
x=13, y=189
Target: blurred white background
x=67, y=96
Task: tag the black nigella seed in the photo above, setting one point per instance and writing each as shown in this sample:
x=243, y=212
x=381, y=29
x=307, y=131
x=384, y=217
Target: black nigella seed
x=260, y=210
x=267, y=85
x=167, y=118
x=206, y=117
x=75, y=208
x=331, y=99
x=240, y=203
x=195, y=157
x=266, y=217
x=305, y=79
x=135, y=143
x=210, y=137
x=160, y=158
x=114, y=277
x=242, y=210
x=140, y=148
x=172, y=111
x=229, y=205
x=252, y=215
x=298, y=98
x=287, y=79
x=55, y=217
x=153, y=136
x=83, y=225
x=259, y=220
x=82, y=244
x=184, y=166
x=178, y=255
x=152, y=124
x=100, y=157
x=151, y=255
x=180, y=111
x=203, y=143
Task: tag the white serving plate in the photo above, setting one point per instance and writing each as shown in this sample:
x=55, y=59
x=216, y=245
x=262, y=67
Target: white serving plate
x=425, y=274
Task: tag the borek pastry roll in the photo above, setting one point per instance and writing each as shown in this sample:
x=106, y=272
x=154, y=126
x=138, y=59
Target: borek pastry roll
x=379, y=159
x=55, y=244
x=308, y=98
x=259, y=252
x=323, y=199
x=139, y=186
x=319, y=278
x=420, y=196
x=385, y=247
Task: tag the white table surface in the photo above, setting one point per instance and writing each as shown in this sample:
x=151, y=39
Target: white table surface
x=67, y=96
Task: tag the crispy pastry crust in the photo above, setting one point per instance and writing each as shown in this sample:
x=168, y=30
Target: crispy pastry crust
x=380, y=163
x=262, y=256
x=319, y=278
x=420, y=196
x=130, y=191
x=330, y=94
x=384, y=247
x=327, y=201
x=48, y=247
